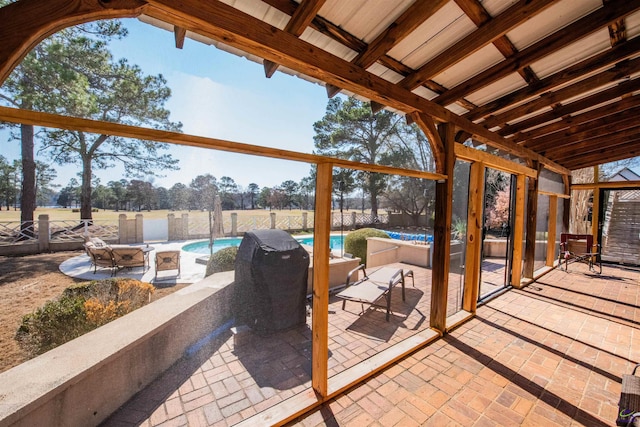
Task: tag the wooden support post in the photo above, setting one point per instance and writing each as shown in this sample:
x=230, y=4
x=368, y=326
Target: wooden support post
x=531, y=218
x=551, y=235
x=518, y=233
x=474, y=238
x=320, y=320
x=595, y=209
x=442, y=234
x=566, y=211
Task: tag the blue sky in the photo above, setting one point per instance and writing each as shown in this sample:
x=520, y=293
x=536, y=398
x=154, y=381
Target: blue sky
x=219, y=95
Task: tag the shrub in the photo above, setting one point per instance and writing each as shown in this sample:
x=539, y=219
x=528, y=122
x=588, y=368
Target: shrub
x=223, y=260
x=80, y=309
x=356, y=241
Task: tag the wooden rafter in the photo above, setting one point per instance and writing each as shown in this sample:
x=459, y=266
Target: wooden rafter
x=179, y=34
x=486, y=34
x=582, y=27
x=341, y=36
x=600, y=141
x=630, y=149
x=587, y=66
x=601, y=126
x=582, y=104
x=300, y=20
x=618, y=72
x=410, y=19
x=479, y=15
x=569, y=121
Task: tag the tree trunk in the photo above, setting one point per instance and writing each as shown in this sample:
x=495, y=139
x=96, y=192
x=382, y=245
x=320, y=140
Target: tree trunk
x=28, y=195
x=373, y=193
x=85, y=192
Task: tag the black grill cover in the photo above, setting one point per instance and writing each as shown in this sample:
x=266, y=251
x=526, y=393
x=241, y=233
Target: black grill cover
x=270, y=281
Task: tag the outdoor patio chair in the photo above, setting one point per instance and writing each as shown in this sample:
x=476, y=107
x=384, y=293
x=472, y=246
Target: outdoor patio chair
x=372, y=286
x=167, y=260
x=130, y=257
x=579, y=248
x=100, y=257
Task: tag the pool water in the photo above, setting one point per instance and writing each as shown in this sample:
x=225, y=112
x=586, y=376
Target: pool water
x=202, y=247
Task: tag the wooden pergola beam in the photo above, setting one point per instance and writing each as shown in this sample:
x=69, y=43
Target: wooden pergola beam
x=14, y=115
x=520, y=12
x=597, y=145
x=343, y=37
x=622, y=185
x=428, y=127
x=27, y=23
x=582, y=27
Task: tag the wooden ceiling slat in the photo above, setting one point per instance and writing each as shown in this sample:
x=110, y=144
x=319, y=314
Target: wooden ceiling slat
x=584, y=130
x=589, y=65
x=620, y=71
x=411, y=19
x=486, y=34
x=598, y=19
x=581, y=104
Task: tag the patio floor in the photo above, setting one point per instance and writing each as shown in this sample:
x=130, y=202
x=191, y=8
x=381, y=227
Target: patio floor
x=550, y=354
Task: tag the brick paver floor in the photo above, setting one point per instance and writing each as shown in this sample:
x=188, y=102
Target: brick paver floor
x=550, y=354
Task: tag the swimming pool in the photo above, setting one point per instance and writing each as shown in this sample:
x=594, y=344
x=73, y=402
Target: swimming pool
x=335, y=242
x=202, y=247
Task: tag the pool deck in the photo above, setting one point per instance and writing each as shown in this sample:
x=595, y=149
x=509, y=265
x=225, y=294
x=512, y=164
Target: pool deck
x=190, y=270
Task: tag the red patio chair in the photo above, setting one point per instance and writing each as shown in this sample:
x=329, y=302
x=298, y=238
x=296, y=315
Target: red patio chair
x=579, y=248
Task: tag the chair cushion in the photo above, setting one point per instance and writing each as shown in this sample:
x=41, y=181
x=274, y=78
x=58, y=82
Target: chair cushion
x=98, y=242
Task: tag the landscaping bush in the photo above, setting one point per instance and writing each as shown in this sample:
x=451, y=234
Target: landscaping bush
x=80, y=309
x=223, y=260
x=356, y=242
